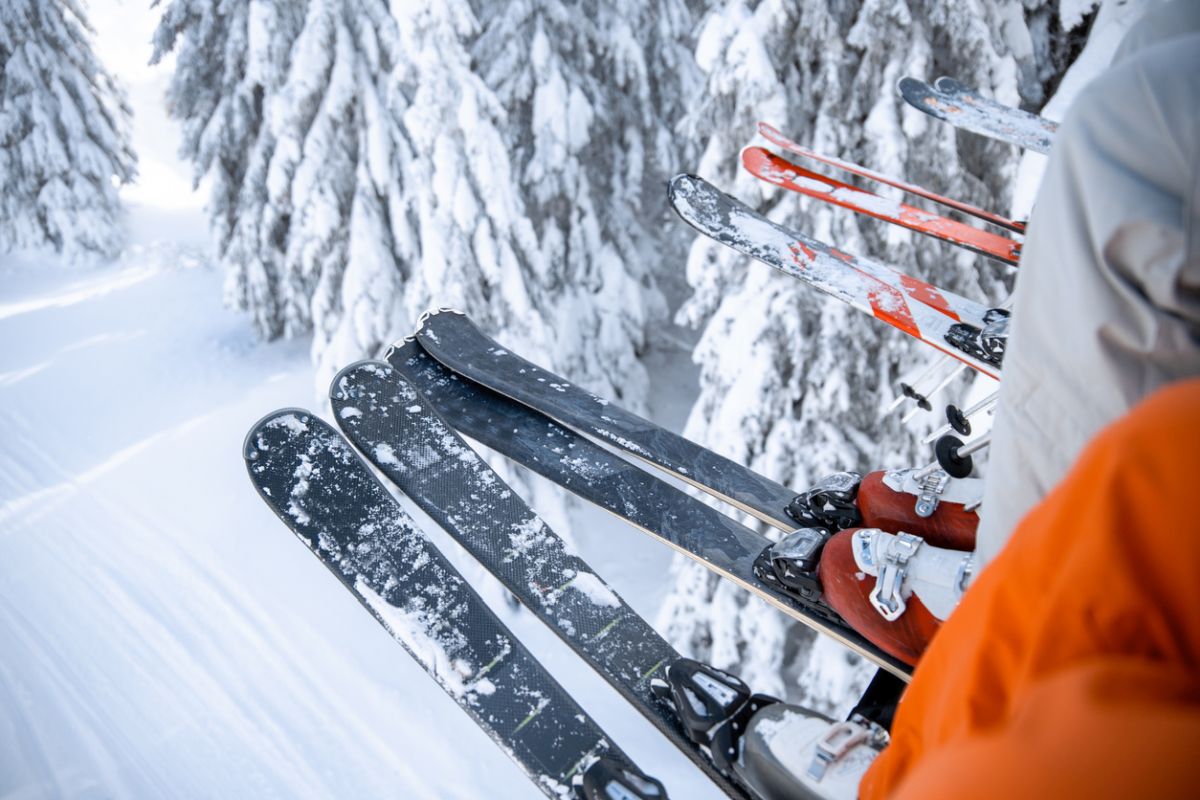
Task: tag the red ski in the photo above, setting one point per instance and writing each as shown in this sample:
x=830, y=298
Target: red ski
x=775, y=170
x=775, y=137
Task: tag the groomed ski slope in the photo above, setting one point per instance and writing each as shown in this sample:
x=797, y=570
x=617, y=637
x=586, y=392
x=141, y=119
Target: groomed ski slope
x=163, y=634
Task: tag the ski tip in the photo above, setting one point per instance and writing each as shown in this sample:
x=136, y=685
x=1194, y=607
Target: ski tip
x=753, y=154
x=349, y=374
x=769, y=131
x=683, y=179
x=774, y=169
x=442, y=318
x=429, y=315
x=401, y=352
x=398, y=345
x=294, y=419
x=686, y=184
x=674, y=189
x=681, y=192
x=910, y=87
x=950, y=85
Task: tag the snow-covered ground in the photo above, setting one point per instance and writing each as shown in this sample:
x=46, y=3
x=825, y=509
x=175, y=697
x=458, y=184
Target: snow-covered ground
x=164, y=635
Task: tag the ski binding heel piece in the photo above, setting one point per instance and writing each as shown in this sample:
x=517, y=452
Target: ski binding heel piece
x=713, y=706
x=791, y=563
x=987, y=343
x=608, y=778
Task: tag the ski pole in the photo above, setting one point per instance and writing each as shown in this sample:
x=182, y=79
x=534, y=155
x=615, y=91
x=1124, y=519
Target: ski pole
x=954, y=373
x=960, y=421
x=907, y=389
x=954, y=457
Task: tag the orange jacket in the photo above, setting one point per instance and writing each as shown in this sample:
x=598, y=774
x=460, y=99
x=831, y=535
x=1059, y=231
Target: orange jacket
x=1072, y=666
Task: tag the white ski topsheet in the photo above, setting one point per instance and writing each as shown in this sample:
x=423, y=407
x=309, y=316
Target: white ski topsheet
x=966, y=108
x=913, y=306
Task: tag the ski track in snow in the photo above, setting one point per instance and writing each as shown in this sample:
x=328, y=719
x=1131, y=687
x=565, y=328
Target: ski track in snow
x=163, y=634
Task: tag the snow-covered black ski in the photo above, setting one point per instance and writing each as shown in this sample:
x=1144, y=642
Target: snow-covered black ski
x=937, y=317
x=455, y=341
x=388, y=420
x=578, y=464
x=320, y=488
x=960, y=105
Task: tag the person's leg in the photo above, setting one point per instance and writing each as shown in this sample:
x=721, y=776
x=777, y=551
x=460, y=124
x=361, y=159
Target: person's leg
x=1107, y=302
x=1070, y=669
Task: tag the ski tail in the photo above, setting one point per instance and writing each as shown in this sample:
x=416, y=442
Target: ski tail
x=945, y=321
x=524, y=434
x=965, y=108
x=401, y=432
x=458, y=344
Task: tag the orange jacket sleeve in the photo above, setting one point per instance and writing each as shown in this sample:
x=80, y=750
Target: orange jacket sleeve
x=1072, y=666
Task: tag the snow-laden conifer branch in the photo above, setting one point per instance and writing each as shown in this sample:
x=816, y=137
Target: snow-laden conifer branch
x=64, y=134
x=369, y=160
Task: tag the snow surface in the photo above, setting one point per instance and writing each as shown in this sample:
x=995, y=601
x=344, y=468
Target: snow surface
x=164, y=634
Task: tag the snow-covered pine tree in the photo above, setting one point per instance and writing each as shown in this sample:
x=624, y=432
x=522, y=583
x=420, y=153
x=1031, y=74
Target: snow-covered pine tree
x=363, y=170
x=231, y=57
x=64, y=134
x=792, y=383
x=592, y=90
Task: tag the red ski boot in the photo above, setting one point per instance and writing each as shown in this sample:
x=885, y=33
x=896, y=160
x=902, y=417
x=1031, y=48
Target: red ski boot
x=894, y=589
x=934, y=507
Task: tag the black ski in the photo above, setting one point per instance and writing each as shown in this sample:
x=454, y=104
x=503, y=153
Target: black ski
x=389, y=421
x=312, y=479
x=650, y=504
x=453, y=340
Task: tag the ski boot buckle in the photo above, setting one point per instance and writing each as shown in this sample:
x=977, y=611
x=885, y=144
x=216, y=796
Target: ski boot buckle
x=840, y=739
x=966, y=571
x=893, y=566
x=931, y=488
x=790, y=565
